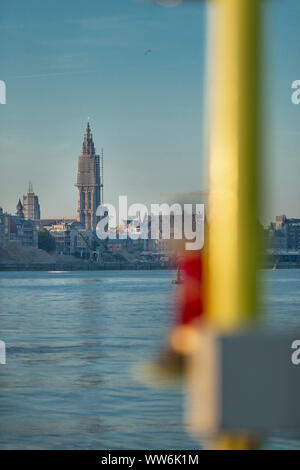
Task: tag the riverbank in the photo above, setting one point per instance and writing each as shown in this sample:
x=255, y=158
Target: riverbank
x=15, y=257
x=80, y=267
x=107, y=267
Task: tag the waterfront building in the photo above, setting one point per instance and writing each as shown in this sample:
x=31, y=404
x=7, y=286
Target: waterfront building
x=21, y=230
x=89, y=182
x=72, y=239
x=31, y=205
x=4, y=228
x=285, y=233
x=48, y=223
x=30, y=235
x=64, y=238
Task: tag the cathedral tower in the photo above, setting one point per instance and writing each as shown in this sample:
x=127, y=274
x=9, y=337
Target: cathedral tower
x=88, y=182
x=31, y=204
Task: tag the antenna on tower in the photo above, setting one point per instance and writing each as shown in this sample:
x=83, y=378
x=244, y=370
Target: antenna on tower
x=101, y=180
x=30, y=187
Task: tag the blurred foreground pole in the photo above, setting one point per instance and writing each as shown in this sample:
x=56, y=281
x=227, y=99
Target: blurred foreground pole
x=234, y=170
x=234, y=165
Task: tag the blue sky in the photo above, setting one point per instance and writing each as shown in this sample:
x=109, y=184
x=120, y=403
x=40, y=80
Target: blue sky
x=63, y=61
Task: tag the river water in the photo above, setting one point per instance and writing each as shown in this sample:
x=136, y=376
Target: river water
x=74, y=341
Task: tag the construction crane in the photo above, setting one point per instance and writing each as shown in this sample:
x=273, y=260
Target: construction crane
x=88, y=242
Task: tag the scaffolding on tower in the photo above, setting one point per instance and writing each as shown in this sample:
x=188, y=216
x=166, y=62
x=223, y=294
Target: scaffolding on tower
x=101, y=177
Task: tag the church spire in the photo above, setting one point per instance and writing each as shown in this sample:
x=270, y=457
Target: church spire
x=19, y=211
x=88, y=144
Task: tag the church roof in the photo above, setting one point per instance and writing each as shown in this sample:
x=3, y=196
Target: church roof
x=19, y=205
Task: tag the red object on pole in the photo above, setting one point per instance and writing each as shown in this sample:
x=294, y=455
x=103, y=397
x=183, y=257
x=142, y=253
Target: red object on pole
x=191, y=302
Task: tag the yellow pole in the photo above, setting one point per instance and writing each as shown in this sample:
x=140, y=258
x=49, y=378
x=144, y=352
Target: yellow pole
x=234, y=173
x=234, y=163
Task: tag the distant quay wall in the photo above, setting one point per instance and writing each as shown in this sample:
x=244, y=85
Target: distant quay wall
x=267, y=264
x=283, y=266
x=79, y=267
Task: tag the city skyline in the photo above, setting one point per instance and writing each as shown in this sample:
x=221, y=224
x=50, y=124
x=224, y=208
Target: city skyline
x=147, y=110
